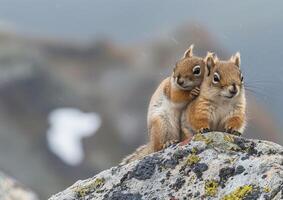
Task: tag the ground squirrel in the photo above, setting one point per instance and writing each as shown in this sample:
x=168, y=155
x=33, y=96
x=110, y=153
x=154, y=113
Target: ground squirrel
x=221, y=104
x=168, y=102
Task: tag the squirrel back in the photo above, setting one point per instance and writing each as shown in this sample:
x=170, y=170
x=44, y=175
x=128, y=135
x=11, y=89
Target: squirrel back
x=171, y=98
x=168, y=101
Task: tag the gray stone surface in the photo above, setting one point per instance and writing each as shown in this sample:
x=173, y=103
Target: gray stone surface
x=12, y=190
x=212, y=166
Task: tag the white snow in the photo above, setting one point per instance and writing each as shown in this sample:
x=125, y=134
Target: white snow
x=67, y=128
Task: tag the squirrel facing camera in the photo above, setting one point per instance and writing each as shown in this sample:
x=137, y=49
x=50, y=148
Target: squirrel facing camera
x=225, y=78
x=222, y=88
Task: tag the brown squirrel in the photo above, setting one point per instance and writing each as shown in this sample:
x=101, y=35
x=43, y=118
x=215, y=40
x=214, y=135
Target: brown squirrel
x=168, y=102
x=221, y=104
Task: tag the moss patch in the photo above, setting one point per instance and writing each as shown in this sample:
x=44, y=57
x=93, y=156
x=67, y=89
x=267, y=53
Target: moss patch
x=240, y=193
x=94, y=186
x=211, y=188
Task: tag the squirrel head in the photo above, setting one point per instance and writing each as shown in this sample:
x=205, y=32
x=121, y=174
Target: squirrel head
x=189, y=70
x=224, y=78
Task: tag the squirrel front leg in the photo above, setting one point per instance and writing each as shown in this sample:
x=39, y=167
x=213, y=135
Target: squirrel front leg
x=182, y=96
x=194, y=93
x=235, y=124
x=198, y=117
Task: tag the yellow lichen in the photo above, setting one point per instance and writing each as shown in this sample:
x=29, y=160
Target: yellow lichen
x=194, y=150
x=192, y=159
x=266, y=189
x=201, y=137
x=230, y=160
x=211, y=188
x=192, y=179
x=239, y=193
x=81, y=192
x=229, y=138
x=84, y=190
x=234, y=148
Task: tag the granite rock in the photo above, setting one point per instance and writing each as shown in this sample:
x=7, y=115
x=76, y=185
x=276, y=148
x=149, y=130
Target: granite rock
x=214, y=165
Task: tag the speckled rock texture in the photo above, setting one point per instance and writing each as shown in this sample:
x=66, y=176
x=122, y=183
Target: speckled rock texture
x=212, y=166
x=12, y=190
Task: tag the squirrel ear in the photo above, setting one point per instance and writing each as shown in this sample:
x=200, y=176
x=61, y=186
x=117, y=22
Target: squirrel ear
x=210, y=60
x=189, y=52
x=236, y=59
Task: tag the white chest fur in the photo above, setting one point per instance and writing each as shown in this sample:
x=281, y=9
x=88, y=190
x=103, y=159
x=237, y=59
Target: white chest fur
x=168, y=112
x=219, y=114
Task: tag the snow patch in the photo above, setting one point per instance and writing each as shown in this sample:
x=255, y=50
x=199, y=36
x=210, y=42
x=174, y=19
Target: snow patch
x=67, y=128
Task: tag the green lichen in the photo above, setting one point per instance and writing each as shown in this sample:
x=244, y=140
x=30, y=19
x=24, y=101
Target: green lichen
x=192, y=159
x=239, y=193
x=211, y=188
x=201, y=137
x=93, y=186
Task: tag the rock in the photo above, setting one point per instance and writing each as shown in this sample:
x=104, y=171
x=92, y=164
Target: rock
x=212, y=166
x=12, y=190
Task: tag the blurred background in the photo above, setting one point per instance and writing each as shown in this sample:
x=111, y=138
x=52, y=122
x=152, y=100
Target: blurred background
x=76, y=76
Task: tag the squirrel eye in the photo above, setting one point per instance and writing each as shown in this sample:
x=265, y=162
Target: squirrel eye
x=216, y=78
x=242, y=77
x=196, y=70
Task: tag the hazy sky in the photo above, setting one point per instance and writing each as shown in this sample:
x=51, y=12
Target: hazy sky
x=253, y=27
x=134, y=19
x=248, y=26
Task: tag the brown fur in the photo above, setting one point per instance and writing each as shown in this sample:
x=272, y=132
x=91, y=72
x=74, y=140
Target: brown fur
x=169, y=101
x=213, y=109
x=178, y=98
x=155, y=135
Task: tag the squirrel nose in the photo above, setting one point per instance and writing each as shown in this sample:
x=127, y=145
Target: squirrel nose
x=180, y=82
x=234, y=90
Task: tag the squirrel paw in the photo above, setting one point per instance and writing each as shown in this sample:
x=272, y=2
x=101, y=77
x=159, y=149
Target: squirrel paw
x=233, y=132
x=204, y=130
x=195, y=92
x=169, y=143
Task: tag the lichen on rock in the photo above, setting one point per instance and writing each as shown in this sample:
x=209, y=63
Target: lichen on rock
x=212, y=166
x=240, y=193
x=86, y=189
x=211, y=188
x=192, y=159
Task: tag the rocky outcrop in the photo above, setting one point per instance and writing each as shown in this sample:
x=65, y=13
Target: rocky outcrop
x=212, y=166
x=12, y=190
x=115, y=80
